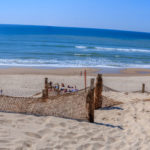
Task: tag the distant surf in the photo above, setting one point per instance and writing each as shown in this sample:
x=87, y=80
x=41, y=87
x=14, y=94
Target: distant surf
x=72, y=47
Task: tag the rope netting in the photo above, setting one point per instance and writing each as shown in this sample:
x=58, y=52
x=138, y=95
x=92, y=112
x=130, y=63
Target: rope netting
x=68, y=106
x=107, y=89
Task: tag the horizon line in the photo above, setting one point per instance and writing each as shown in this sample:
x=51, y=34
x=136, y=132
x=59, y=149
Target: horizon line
x=78, y=27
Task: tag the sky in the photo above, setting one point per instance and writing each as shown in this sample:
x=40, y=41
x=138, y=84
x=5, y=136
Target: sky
x=132, y=15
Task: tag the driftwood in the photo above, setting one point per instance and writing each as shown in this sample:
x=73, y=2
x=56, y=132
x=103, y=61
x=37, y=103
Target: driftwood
x=98, y=92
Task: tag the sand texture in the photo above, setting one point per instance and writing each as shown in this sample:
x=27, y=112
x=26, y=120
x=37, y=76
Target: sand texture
x=29, y=85
x=124, y=126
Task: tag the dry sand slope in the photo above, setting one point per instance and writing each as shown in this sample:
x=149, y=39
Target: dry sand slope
x=124, y=127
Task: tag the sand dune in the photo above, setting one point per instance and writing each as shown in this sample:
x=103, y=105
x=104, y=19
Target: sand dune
x=122, y=127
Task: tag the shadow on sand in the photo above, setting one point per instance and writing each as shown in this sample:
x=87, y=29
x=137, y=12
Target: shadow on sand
x=111, y=108
x=108, y=125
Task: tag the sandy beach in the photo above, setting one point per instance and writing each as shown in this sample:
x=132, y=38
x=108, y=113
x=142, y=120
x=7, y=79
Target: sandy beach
x=123, y=126
x=74, y=75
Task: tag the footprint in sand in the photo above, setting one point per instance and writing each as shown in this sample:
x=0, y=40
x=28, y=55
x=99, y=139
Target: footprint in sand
x=86, y=146
x=23, y=144
x=50, y=125
x=111, y=140
x=21, y=120
x=58, y=147
x=62, y=124
x=72, y=134
x=47, y=148
x=97, y=146
x=98, y=139
x=72, y=127
x=90, y=133
x=4, y=141
x=65, y=136
x=27, y=144
x=19, y=148
x=3, y=122
x=31, y=134
x=43, y=131
x=69, y=142
x=82, y=137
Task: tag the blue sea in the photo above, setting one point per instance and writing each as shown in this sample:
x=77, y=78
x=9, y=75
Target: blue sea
x=46, y=46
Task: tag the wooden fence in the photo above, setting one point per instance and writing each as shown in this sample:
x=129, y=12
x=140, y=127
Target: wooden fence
x=77, y=105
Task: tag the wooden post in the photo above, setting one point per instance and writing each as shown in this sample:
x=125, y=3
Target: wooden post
x=98, y=92
x=92, y=84
x=143, y=88
x=44, y=96
x=85, y=79
x=46, y=87
x=90, y=102
x=43, y=93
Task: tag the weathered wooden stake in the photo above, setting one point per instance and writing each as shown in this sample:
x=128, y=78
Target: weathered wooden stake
x=143, y=88
x=90, y=102
x=43, y=93
x=98, y=92
x=46, y=87
x=85, y=79
x=92, y=84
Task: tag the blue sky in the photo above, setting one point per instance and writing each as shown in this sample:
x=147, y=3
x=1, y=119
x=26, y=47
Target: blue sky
x=106, y=14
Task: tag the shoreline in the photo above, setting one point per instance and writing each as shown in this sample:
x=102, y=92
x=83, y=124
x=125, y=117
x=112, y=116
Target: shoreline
x=69, y=71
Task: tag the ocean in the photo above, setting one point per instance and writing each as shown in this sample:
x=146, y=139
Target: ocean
x=46, y=46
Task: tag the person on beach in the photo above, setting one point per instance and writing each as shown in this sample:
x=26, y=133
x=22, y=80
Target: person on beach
x=50, y=86
x=62, y=85
x=1, y=92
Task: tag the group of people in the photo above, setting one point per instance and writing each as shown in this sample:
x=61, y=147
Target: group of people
x=62, y=88
x=68, y=89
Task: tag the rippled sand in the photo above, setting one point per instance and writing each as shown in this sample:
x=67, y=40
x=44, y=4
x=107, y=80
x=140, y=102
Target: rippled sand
x=122, y=127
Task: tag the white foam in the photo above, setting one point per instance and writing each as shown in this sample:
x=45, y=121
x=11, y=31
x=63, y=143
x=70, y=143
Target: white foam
x=55, y=63
x=115, y=49
x=81, y=47
x=82, y=54
x=70, y=63
x=123, y=49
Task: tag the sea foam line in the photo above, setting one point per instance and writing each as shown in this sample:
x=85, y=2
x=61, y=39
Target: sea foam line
x=77, y=63
x=114, y=49
x=123, y=49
